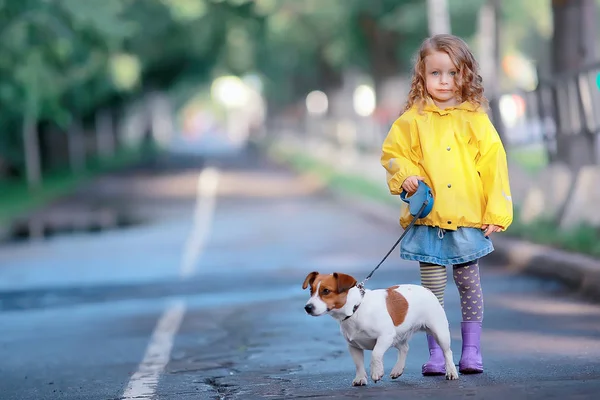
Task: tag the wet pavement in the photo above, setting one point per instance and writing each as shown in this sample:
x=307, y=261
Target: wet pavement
x=124, y=313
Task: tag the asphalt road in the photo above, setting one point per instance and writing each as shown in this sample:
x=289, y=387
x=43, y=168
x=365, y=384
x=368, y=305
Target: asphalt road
x=203, y=300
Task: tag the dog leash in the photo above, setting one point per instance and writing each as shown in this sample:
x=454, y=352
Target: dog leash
x=361, y=285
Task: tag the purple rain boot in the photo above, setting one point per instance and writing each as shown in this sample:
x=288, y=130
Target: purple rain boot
x=470, y=360
x=436, y=364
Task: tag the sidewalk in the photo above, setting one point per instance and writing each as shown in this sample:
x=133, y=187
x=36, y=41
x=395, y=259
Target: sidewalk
x=578, y=272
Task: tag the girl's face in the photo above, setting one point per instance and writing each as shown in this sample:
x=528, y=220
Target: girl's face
x=439, y=79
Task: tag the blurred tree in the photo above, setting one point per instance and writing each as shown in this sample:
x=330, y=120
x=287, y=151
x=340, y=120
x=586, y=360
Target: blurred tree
x=526, y=26
x=575, y=42
x=575, y=45
x=62, y=62
x=305, y=45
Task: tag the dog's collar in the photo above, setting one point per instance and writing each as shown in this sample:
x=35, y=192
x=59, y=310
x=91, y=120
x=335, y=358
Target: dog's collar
x=353, y=311
x=361, y=288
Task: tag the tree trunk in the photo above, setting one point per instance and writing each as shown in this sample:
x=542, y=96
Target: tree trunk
x=574, y=40
x=574, y=46
x=32, y=151
x=77, y=151
x=489, y=53
x=438, y=17
x=105, y=141
x=329, y=79
x=381, y=47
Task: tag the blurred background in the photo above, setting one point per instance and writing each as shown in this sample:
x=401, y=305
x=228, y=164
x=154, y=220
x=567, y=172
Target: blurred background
x=92, y=86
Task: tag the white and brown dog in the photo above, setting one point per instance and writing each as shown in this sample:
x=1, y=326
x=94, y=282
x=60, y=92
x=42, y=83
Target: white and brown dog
x=379, y=319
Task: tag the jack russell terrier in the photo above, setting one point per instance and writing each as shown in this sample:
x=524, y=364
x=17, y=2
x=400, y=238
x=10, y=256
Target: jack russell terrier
x=379, y=319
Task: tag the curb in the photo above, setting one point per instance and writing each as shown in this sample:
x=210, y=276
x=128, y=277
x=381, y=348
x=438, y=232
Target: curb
x=578, y=272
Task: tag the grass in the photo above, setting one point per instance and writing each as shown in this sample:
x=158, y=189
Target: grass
x=336, y=180
x=531, y=159
x=350, y=184
x=583, y=239
x=18, y=199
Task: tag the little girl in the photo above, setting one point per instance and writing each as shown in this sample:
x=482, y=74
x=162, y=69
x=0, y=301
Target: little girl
x=445, y=138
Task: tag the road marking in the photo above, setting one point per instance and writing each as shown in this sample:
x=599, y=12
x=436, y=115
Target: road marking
x=142, y=384
x=208, y=183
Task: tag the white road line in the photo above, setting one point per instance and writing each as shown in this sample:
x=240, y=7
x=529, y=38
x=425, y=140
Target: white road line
x=142, y=384
x=208, y=183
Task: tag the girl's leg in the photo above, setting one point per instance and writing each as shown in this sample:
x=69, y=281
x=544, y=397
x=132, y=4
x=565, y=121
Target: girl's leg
x=434, y=278
x=466, y=277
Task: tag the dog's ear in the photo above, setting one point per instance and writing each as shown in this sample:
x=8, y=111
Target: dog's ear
x=344, y=282
x=310, y=278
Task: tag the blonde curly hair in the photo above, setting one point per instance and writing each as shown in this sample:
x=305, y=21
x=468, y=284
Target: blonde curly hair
x=467, y=80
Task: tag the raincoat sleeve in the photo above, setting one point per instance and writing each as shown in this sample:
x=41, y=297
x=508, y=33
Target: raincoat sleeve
x=400, y=154
x=493, y=171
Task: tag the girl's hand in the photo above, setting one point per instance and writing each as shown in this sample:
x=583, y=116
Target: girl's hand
x=489, y=229
x=411, y=183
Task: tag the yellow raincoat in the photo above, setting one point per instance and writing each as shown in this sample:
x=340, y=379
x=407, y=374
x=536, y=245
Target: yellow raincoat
x=461, y=157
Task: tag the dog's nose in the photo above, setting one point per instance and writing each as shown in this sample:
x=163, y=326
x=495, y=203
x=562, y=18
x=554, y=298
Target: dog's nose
x=309, y=308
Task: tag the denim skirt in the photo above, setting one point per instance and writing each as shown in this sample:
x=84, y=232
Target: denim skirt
x=444, y=247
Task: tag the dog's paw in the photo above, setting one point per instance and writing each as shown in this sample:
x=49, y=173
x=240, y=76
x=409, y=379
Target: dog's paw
x=360, y=381
x=396, y=372
x=451, y=373
x=376, y=371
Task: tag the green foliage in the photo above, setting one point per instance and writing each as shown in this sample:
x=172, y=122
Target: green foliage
x=337, y=180
x=65, y=59
x=68, y=58
x=531, y=159
x=583, y=238
x=307, y=44
x=527, y=28
x=59, y=55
